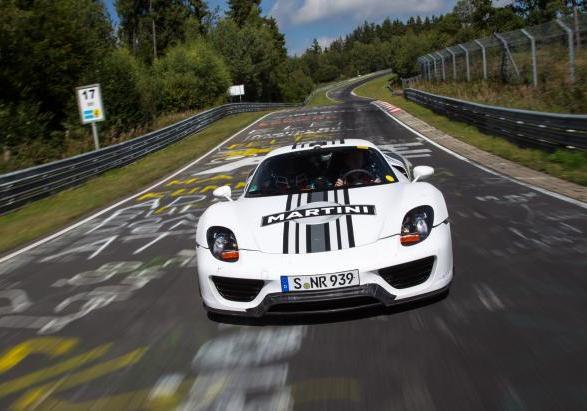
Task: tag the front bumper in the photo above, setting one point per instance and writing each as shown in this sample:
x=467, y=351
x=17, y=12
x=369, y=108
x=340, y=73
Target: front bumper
x=333, y=301
x=369, y=259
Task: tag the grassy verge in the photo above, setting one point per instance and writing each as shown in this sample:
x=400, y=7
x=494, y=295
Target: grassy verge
x=566, y=164
x=563, y=98
x=320, y=98
x=49, y=214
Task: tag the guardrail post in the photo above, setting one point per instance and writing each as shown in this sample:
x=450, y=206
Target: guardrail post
x=533, y=51
x=442, y=60
x=571, y=49
x=467, y=61
x=454, y=63
x=484, y=58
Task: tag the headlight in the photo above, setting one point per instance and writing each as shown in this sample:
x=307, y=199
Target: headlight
x=416, y=225
x=222, y=244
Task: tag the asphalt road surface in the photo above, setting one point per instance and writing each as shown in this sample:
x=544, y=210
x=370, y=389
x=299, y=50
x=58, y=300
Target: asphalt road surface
x=108, y=317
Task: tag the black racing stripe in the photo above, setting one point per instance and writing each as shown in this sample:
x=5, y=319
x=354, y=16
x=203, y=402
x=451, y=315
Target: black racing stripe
x=349, y=220
x=326, y=236
x=286, y=227
x=308, y=229
x=339, y=238
x=298, y=227
x=326, y=227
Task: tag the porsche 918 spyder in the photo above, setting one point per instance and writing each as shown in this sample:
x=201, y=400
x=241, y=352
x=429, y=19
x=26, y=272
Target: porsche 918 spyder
x=325, y=226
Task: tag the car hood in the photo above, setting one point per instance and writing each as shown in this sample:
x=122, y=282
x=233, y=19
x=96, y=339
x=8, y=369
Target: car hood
x=322, y=221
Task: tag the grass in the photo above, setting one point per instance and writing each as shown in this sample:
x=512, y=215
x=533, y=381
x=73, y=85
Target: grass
x=569, y=165
x=560, y=99
x=49, y=214
x=320, y=98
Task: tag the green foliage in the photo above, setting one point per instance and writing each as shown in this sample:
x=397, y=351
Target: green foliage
x=21, y=125
x=120, y=80
x=174, y=21
x=255, y=55
x=189, y=76
x=46, y=46
x=244, y=11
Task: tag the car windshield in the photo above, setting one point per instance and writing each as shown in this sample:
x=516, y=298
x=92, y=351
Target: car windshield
x=320, y=169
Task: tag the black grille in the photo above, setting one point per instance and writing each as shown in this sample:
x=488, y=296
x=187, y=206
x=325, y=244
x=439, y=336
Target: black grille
x=408, y=274
x=238, y=289
x=325, y=305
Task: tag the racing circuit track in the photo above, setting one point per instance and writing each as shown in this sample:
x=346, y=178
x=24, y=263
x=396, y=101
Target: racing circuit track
x=107, y=316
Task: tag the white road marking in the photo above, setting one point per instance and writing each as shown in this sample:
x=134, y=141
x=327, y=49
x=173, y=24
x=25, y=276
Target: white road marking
x=149, y=244
x=416, y=155
x=166, y=386
x=113, y=206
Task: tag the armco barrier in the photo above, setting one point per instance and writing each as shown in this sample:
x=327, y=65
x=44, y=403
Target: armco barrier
x=550, y=130
x=20, y=187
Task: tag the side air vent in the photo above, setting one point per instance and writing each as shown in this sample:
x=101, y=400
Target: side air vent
x=238, y=289
x=408, y=274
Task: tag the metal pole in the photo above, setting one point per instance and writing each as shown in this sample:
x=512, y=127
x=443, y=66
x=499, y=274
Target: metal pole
x=576, y=21
x=442, y=60
x=434, y=61
x=571, y=49
x=154, y=32
x=454, y=64
x=533, y=50
x=484, y=58
x=508, y=52
x=467, y=60
x=95, y=134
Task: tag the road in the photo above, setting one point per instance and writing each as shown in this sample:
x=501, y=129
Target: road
x=107, y=316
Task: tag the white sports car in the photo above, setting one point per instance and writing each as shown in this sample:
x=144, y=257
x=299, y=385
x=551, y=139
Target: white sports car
x=325, y=226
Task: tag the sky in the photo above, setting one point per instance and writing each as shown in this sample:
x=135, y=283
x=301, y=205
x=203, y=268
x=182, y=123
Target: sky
x=325, y=20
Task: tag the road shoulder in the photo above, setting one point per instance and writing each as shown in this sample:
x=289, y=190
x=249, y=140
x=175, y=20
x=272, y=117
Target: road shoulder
x=488, y=160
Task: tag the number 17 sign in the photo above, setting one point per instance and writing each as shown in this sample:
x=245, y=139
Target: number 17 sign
x=89, y=100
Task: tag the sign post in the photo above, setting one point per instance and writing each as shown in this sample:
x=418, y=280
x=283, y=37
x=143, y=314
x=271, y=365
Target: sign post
x=238, y=90
x=91, y=110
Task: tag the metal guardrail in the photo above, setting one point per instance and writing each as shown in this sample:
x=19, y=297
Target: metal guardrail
x=20, y=187
x=548, y=130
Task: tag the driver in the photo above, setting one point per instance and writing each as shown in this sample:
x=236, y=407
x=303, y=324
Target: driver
x=354, y=171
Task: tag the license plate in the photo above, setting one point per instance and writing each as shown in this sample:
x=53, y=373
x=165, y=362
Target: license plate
x=319, y=281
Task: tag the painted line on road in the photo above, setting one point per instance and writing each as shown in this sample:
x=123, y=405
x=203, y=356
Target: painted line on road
x=121, y=202
x=488, y=170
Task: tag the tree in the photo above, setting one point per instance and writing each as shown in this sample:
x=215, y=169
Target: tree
x=174, y=22
x=47, y=46
x=241, y=11
x=191, y=76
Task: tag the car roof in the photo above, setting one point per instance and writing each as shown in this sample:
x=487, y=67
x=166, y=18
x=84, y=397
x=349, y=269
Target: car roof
x=309, y=145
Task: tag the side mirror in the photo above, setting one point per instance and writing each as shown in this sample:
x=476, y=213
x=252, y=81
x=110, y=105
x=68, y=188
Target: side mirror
x=223, y=192
x=422, y=172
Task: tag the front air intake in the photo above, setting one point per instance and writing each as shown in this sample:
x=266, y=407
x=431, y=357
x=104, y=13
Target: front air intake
x=408, y=274
x=238, y=289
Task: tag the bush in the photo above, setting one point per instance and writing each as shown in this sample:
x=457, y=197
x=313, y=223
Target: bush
x=191, y=76
x=123, y=92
